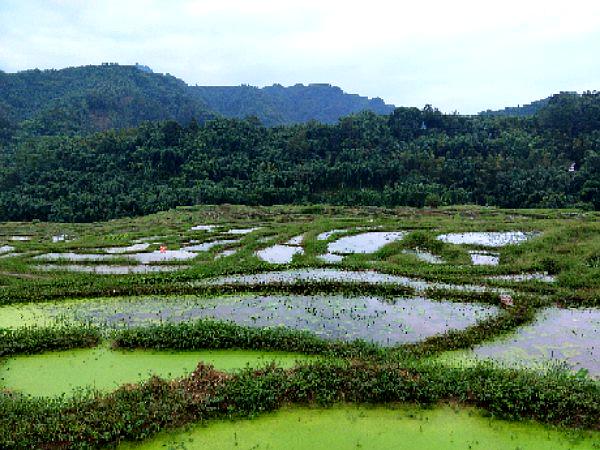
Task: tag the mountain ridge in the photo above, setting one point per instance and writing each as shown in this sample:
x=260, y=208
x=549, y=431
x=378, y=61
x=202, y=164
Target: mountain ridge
x=100, y=97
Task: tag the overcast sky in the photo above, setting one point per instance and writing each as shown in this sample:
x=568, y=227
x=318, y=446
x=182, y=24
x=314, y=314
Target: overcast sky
x=455, y=54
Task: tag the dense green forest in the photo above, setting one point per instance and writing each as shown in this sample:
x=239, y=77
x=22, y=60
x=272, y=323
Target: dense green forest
x=411, y=157
x=95, y=98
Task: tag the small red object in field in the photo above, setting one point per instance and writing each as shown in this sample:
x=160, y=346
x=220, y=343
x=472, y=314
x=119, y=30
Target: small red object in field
x=163, y=248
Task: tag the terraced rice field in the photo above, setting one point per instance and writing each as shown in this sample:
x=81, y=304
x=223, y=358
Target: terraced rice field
x=469, y=307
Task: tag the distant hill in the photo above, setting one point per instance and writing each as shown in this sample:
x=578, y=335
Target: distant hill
x=279, y=105
x=527, y=110
x=93, y=98
x=96, y=98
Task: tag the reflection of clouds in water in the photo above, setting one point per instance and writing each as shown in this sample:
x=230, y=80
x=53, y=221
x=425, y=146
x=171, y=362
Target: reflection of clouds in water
x=103, y=269
x=487, y=239
x=332, y=317
x=347, y=276
x=569, y=335
x=365, y=242
x=483, y=258
x=279, y=254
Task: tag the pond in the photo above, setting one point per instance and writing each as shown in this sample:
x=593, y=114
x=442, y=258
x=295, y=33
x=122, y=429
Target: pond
x=336, y=317
x=241, y=231
x=327, y=234
x=330, y=258
x=336, y=275
x=55, y=373
x=131, y=248
x=483, y=258
x=208, y=228
x=141, y=257
x=316, y=275
x=296, y=240
x=225, y=253
x=568, y=337
x=105, y=269
x=162, y=256
x=74, y=257
x=424, y=256
x=359, y=427
x=364, y=242
x=487, y=239
x=206, y=246
x=279, y=254
x=520, y=277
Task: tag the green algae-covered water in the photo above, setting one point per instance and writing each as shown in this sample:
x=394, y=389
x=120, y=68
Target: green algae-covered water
x=351, y=427
x=55, y=373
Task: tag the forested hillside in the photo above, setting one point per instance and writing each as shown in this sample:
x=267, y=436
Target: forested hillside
x=410, y=157
x=529, y=109
x=80, y=100
x=93, y=98
x=278, y=105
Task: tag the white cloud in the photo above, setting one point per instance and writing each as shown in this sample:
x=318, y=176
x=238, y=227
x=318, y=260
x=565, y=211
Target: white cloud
x=463, y=54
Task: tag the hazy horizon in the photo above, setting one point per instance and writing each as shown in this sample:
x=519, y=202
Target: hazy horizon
x=463, y=56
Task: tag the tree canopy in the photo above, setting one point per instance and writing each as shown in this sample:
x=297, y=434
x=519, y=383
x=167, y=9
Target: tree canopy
x=415, y=157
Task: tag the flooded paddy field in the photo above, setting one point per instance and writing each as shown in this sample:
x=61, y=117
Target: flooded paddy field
x=391, y=304
x=386, y=322
x=369, y=277
x=558, y=337
x=368, y=242
x=486, y=239
x=105, y=269
x=345, y=427
x=279, y=254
